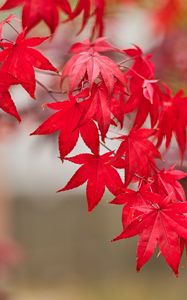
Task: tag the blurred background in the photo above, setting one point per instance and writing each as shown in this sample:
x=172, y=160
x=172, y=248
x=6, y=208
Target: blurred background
x=57, y=248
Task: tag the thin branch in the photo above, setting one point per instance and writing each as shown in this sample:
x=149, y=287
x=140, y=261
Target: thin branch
x=139, y=75
x=105, y=146
x=50, y=92
x=7, y=40
x=48, y=73
x=125, y=60
x=12, y=27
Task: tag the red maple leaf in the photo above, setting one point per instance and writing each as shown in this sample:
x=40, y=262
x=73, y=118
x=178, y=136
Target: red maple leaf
x=129, y=198
x=167, y=182
x=141, y=63
x=19, y=59
x=173, y=119
x=6, y=102
x=159, y=223
x=139, y=153
x=99, y=45
x=99, y=172
x=98, y=12
x=99, y=109
x=144, y=91
x=66, y=120
x=35, y=11
x=88, y=65
x=148, y=89
x=103, y=107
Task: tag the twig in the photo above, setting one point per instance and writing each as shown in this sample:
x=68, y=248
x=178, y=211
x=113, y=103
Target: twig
x=105, y=146
x=12, y=27
x=139, y=75
x=50, y=92
x=48, y=73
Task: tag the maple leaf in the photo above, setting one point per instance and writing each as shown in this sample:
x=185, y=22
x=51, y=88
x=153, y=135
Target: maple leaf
x=19, y=59
x=159, y=223
x=104, y=107
x=166, y=182
x=144, y=90
x=99, y=172
x=89, y=65
x=66, y=120
x=34, y=11
x=141, y=63
x=99, y=109
x=99, y=45
x=117, y=103
x=148, y=89
x=173, y=119
x=139, y=153
x=98, y=12
x=6, y=102
x=129, y=198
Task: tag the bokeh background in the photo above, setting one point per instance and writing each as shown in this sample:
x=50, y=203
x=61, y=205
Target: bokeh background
x=63, y=251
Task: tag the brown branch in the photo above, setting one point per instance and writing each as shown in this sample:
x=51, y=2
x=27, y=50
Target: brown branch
x=50, y=92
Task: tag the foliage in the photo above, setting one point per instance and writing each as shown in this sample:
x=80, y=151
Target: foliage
x=102, y=94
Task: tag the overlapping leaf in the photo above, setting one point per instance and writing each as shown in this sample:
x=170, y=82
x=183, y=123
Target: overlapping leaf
x=6, y=102
x=167, y=182
x=85, y=7
x=160, y=223
x=88, y=65
x=67, y=120
x=173, y=119
x=139, y=153
x=34, y=11
x=19, y=60
x=144, y=91
x=129, y=199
